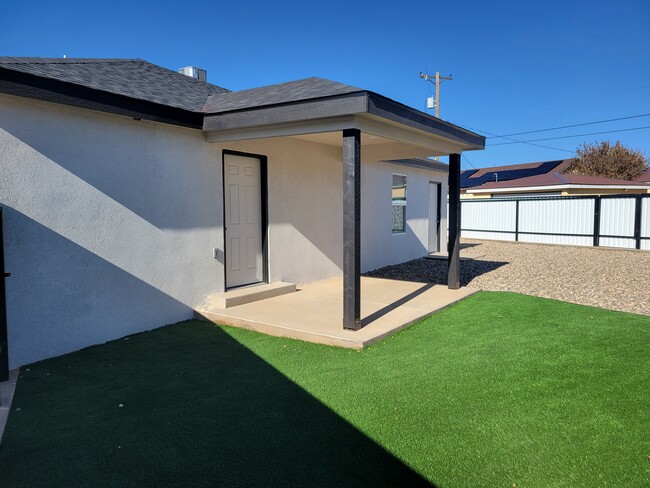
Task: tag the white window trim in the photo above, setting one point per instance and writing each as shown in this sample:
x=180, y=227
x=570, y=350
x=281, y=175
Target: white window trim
x=400, y=204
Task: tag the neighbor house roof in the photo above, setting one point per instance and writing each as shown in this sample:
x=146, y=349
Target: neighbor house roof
x=139, y=89
x=554, y=178
x=538, y=175
x=477, y=177
x=644, y=177
x=555, y=182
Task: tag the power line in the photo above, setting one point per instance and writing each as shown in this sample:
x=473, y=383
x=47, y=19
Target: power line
x=569, y=137
x=463, y=155
x=572, y=125
x=517, y=140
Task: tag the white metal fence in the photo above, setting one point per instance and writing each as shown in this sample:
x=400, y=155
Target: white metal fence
x=611, y=220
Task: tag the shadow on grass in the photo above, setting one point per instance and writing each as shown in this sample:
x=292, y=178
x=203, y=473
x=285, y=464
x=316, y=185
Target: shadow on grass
x=198, y=409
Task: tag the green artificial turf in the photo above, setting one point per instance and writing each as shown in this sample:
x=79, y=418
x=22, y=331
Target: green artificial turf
x=500, y=389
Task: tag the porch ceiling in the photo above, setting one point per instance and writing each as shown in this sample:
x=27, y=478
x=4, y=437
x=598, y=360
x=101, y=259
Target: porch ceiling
x=381, y=139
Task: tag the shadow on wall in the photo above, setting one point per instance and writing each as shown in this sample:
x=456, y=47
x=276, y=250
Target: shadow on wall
x=167, y=176
x=62, y=297
x=435, y=271
x=224, y=418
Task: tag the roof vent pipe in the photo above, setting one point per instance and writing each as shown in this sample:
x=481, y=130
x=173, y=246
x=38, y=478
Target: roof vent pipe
x=194, y=72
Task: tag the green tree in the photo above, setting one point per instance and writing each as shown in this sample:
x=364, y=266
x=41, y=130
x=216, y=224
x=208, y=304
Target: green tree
x=608, y=161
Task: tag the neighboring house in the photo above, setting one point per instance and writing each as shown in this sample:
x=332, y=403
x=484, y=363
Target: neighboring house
x=644, y=177
x=131, y=192
x=543, y=179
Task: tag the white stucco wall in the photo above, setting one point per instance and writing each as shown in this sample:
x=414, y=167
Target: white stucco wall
x=379, y=246
x=305, y=183
x=109, y=225
x=305, y=206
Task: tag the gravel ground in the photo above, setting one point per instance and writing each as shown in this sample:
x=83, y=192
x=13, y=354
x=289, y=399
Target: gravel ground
x=608, y=278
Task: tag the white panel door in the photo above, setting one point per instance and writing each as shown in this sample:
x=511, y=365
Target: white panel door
x=434, y=217
x=243, y=220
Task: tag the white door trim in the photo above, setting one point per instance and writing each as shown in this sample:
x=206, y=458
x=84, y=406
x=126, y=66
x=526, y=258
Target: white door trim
x=247, y=219
x=435, y=188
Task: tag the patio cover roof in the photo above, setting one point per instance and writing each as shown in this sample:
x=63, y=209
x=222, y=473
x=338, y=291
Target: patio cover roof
x=318, y=106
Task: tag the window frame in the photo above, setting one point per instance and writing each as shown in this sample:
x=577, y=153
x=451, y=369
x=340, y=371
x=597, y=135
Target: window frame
x=398, y=203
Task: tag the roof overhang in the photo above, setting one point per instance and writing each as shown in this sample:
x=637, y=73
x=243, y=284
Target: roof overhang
x=390, y=129
x=55, y=91
x=372, y=114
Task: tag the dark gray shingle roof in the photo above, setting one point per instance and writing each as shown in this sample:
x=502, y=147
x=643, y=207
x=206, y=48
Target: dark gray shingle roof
x=134, y=78
x=292, y=91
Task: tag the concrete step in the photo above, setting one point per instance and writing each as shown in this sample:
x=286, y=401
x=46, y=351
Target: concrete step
x=240, y=296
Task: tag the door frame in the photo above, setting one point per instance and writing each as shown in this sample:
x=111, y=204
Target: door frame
x=264, y=199
x=438, y=213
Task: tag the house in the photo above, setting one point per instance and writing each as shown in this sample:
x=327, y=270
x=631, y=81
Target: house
x=130, y=193
x=543, y=179
x=644, y=177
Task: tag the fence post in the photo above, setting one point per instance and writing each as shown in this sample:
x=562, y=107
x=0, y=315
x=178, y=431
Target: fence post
x=637, y=221
x=516, y=220
x=596, y=221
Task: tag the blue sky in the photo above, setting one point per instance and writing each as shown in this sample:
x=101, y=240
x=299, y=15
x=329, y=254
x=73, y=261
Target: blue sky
x=517, y=65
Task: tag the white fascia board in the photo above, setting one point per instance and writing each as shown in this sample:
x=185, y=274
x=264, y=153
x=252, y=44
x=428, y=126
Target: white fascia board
x=558, y=187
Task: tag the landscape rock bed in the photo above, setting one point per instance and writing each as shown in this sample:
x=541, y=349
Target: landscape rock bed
x=601, y=277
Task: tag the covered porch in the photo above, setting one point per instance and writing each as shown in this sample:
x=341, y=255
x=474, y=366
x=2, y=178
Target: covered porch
x=358, y=128
x=313, y=313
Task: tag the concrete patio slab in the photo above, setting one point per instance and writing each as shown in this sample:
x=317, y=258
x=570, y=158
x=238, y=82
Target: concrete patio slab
x=314, y=313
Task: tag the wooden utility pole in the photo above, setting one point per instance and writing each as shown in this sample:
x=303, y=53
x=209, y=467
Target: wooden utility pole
x=438, y=79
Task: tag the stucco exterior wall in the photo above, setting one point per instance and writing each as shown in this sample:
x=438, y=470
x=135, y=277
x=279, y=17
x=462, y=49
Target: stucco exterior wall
x=379, y=246
x=109, y=225
x=305, y=206
x=305, y=183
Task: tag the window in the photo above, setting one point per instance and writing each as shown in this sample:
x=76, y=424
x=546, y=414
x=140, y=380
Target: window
x=399, y=203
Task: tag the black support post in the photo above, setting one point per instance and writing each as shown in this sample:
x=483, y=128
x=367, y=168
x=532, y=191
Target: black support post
x=453, y=246
x=352, y=229
x=517, y=221
x=638, y=205
x=596, y=221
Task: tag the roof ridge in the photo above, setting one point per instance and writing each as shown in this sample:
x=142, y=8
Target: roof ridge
x=37, y=60
x=296, y=81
